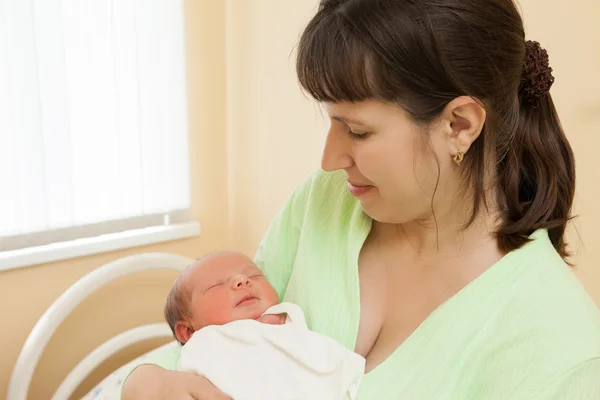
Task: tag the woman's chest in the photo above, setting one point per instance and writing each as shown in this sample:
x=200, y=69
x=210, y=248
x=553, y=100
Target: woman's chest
x=394, y=300
x=398, y=292
x=370, y=299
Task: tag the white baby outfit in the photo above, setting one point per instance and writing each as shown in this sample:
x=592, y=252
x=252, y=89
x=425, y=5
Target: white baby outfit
x=249, y=360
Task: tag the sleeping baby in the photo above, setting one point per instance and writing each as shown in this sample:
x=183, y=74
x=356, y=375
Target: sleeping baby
x=234, y=332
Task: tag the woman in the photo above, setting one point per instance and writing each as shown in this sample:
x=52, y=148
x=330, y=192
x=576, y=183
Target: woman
x=433, y=242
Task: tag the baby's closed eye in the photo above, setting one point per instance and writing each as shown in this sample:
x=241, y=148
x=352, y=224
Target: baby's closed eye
x=214, y=285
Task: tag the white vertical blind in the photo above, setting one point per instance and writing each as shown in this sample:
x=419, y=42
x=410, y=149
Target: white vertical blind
x=93, y=118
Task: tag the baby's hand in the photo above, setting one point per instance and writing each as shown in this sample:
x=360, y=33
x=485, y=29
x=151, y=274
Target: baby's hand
x=272, y=319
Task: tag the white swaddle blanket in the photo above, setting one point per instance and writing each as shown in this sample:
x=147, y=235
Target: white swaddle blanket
x=249, y=360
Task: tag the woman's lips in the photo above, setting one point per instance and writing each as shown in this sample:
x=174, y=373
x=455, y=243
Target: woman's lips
x=358, y=190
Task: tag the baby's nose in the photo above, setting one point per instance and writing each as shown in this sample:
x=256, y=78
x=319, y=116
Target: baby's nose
x=241, y=281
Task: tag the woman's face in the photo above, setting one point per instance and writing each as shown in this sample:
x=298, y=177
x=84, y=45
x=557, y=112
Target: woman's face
x=389, y=162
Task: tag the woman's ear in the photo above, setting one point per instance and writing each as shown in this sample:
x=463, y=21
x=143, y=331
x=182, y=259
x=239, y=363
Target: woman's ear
x=463, y=118
x=183, y=331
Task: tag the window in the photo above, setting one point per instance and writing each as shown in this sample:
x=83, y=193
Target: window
x=93, y=119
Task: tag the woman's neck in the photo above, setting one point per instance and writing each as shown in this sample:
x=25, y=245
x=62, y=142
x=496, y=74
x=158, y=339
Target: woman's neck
x=444, y=237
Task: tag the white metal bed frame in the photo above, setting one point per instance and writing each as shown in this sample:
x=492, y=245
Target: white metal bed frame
x=67, y=302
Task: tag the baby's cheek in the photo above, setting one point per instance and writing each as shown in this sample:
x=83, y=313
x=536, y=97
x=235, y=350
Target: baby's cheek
x=270, y=295
x=216, y=312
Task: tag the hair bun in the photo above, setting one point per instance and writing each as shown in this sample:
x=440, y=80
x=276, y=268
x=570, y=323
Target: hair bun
x=536, y=78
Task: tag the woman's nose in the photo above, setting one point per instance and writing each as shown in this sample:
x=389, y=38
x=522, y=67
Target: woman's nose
x=241, y=281
x=335, y=154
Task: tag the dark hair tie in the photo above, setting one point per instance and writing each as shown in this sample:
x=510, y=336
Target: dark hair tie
x=536, y=78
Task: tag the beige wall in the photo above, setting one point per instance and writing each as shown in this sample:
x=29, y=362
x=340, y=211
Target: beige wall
x=275, y=133
x=254, y=137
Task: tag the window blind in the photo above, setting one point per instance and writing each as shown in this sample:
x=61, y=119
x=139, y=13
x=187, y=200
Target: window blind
x=93, y=118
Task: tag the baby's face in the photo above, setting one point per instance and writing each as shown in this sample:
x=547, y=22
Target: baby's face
x=226, y=287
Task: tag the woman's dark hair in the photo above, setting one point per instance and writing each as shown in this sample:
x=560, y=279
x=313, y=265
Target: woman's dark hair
x=421, y=54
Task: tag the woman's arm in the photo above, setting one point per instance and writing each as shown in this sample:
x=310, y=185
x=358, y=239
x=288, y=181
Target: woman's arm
x=151, y=382
x=581, y=382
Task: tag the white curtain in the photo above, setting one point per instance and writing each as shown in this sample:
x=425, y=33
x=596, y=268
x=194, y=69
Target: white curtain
x=93, y=118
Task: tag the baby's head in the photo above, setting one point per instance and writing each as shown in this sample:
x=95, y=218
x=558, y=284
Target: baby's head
x=216, y=289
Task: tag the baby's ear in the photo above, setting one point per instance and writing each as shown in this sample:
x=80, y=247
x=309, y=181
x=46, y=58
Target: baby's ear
x=183, y=331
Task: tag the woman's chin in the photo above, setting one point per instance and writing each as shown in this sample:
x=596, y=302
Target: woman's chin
x=372, y=208
x=380, y=214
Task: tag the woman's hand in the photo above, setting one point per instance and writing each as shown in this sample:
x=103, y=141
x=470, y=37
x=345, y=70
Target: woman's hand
x=150, y=382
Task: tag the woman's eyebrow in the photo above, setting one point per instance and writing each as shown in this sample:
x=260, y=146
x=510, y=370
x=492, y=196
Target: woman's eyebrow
x=347, y=121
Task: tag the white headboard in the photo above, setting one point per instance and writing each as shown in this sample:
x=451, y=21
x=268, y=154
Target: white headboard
x=67, y=302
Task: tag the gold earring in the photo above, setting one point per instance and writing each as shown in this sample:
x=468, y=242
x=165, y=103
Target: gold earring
x=458, y=157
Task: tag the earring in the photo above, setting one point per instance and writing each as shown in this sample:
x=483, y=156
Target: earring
x=458, y=157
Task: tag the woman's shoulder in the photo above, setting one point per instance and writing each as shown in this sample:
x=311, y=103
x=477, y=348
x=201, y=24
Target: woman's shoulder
x=321, y=198
x=552, y=284
x=321, y=184
x=541, y=322
x=548, y=301
x=324, y=196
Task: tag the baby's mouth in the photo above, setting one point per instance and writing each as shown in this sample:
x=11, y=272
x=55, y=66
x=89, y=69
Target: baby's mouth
x=247, y=298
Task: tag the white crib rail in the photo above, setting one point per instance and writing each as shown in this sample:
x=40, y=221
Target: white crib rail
x=104, y=351
x=67, y=302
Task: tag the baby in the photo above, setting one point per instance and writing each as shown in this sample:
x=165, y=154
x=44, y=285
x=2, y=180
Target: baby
x=235, y=332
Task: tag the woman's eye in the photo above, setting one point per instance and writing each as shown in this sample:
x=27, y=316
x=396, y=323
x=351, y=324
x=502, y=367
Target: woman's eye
x=357, y=135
